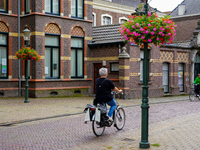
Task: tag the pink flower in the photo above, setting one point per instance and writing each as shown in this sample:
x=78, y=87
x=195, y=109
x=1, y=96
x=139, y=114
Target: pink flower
x=152, y=33
x=147, y=32
x=149, y=24
x=141, y=29
x=133, y=26
x=175, y=25
x=149, y=40
x=149, y=13
x=154, y=29
x=134, y=32
x=142, y=37
x=169, y=34
x=157, y=38
x=137, y=24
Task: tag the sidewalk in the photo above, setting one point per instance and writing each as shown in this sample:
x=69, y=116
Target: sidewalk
x=13, y=110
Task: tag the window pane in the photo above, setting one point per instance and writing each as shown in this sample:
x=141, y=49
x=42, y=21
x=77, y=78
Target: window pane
x=3, y=5
x=51, y=40
x=80, y=63
x=73, y=62
x=55, y=62
x=76, y=42
x=3, y=39
x=80, y=8
x=47, y=62
x=165, y=77
x=56, y=6
x=73, y=8
x=142, y=54
x=115, y=67
x=27, y=6
x=3, y=62
x=106, y=20
x=48, y=6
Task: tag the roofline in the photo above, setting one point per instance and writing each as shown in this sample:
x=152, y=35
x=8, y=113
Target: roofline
x=182, y=16
x=100, y=44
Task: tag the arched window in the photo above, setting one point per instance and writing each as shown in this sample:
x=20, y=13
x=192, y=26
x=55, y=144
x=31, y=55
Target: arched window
x=122, y=19
x=3, y=50
x=52, y=51
x=106, y=19
x=77, y=53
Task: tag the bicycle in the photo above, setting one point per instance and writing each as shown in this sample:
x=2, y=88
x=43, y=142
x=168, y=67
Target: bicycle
x=193, y=94
x=119, y=118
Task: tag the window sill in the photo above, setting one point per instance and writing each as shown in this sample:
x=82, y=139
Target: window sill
x=5, y=80
x=76, y=79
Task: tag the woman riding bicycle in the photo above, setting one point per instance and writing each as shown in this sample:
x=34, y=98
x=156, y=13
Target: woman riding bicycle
x=197, y=87
x=103, y=94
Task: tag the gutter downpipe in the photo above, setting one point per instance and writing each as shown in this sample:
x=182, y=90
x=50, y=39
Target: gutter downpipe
x=19, y=47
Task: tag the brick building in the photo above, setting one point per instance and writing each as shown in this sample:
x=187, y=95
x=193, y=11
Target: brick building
x=72, y=50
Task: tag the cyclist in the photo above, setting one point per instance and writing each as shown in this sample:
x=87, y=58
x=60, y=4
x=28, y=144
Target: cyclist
x=197, y=87
x=103, y=94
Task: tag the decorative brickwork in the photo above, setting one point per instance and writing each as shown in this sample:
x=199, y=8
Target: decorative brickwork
x=52, y=28
x=3, y=27
x=166, y=56
x=183, y=57
x=77, y=31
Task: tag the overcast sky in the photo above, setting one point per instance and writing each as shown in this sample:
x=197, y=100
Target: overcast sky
x=164, y=5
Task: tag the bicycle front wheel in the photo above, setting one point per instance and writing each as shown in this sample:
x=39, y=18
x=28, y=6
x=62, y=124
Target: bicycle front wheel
x=120, y=118
x=192, y=95
x=97, y=129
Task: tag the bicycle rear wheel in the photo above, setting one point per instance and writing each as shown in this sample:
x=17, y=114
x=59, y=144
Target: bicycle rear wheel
x=192, y=95
x=97, y=129
x=120, y=118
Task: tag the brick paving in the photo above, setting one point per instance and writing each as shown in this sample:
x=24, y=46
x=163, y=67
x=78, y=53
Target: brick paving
x=173, y=125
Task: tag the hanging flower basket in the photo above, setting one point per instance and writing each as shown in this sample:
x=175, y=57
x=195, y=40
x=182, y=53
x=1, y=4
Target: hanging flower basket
x=27, y=53
x=148, y=28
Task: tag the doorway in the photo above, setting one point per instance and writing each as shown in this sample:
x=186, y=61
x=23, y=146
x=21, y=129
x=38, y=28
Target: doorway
x=96, y=74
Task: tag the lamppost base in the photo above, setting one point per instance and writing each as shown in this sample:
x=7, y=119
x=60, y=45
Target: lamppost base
x=144, y=145
x=26, y=101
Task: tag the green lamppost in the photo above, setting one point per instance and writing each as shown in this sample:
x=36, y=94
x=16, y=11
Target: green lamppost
x=145, y=106
x=26, y=34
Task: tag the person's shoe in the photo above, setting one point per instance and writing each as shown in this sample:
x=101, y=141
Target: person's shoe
x=197, y=95
x=110, y=119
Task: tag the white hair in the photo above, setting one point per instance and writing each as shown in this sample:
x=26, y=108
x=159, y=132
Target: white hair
x=103, y=71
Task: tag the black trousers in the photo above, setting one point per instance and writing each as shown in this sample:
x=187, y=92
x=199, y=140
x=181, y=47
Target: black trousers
x=197, y=88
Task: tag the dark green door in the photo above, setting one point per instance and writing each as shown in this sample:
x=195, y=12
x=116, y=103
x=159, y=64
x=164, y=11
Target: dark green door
x=196, y=69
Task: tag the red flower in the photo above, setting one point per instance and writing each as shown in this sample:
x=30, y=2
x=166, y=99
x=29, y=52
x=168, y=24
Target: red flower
x=145, y=28
x=144, y=40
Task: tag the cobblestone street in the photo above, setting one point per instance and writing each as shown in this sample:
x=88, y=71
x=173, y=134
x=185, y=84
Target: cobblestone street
x=173, y=125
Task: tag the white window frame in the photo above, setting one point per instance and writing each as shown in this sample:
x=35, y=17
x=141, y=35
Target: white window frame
x=106, y=15
x=94, y=21
x=120, y=18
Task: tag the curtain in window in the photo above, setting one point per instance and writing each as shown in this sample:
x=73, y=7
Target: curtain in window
x=73, y=8
x=51, y=40
x=55, y=62
x=115, y=67
x=27, y=6
x=80, y=8
x=180, y=77
x=47, y=62
x=3, y=62
x=55, y=6
x=80, y=63
x=166, y=77
x=76, y=42
x=48, y=6
x=73, y=62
